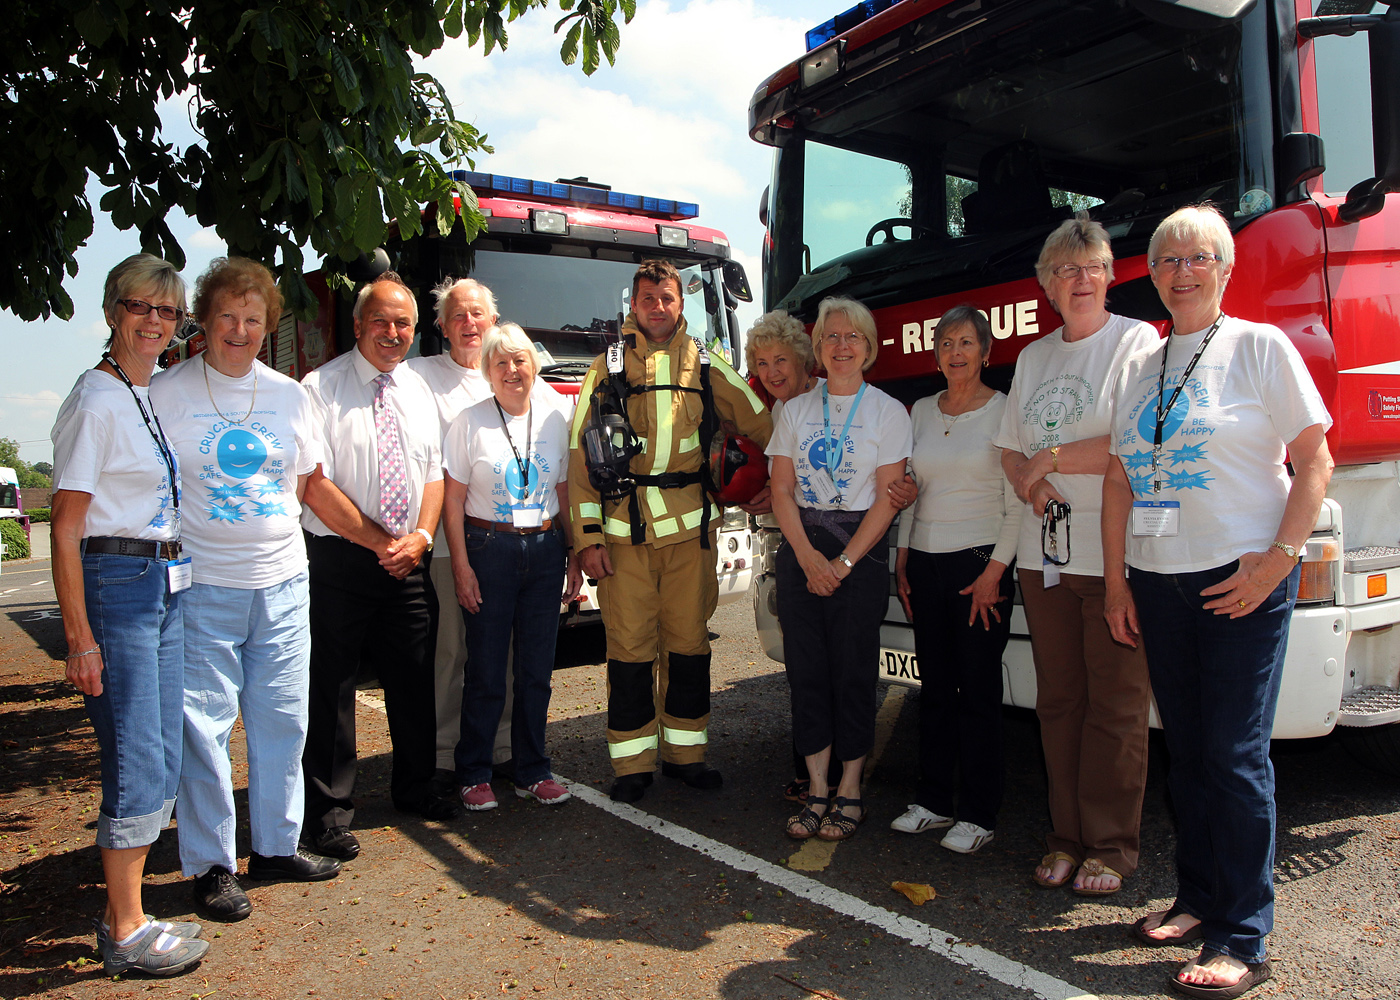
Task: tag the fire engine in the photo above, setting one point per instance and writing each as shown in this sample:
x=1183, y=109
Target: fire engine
x=559, y=257
x=924, y=149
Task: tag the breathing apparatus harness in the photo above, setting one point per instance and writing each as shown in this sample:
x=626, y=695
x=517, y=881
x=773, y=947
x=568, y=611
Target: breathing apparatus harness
x=610, y=443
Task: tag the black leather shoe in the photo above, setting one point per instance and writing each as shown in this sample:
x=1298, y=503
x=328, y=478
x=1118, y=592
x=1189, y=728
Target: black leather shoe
x=444, y=782
x=432, y=806
x=218, y=895
x=630, y=787
x=303, y=866
x=697, y=775
x=337, y=842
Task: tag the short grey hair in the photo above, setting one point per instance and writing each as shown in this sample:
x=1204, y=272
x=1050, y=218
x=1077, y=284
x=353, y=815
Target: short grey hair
x=971, y=315
x=778, y=329
x=1073, y=238
x=444, y=289
x=1195, y=224
x=507, y=338
x=142, y=273
x=856, y=314
x=387, y=278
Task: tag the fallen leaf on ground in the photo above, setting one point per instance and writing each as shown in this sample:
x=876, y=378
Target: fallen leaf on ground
x=916, y=892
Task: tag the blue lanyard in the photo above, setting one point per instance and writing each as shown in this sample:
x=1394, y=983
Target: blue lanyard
x=834, y=463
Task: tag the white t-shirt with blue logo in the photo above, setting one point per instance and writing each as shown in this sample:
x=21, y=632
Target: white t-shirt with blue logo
x=1223, y=443
x=478, y=454
x=880, y=434
x=238, y=471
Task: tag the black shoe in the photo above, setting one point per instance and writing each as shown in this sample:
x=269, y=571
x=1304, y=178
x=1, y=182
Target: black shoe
x=697, y=775
x=218, y=895
x=630, y=787
x=337, y=842
x=505, y=769
x=303, y=866
x=433, y=806
x=444, y=782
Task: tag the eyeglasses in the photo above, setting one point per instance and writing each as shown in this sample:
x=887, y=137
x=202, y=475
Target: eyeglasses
x=1070, y=271
x=1196, y=260
x=138, y=308
x=837, y=339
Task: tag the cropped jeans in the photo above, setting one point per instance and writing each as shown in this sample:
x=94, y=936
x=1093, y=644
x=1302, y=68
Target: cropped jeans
x=522, y=578
x=248, y=651
x=138, y=716
x=1217, y=682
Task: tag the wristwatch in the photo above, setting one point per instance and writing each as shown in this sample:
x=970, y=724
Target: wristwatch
x=426, y=534
x=845, y=559
x=1288, y=550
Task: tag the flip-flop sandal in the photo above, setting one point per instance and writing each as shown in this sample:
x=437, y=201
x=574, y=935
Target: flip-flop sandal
x=1254, y=975
x=1049, y=861
x=808, y=820
x=797, y=790
x=1185, y=937
x=1094, y=867
x=843, y=825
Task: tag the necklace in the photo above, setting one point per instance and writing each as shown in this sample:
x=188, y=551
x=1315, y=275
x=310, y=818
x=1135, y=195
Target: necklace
x=947, y=424
x=251, y=403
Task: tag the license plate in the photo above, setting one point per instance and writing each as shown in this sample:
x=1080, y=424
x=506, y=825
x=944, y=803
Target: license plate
x=897, y=664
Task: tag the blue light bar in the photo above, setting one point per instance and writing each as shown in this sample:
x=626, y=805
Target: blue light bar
x=845, y=21
x=486, y=185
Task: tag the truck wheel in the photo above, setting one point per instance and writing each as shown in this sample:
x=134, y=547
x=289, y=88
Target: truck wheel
x=1377, y=747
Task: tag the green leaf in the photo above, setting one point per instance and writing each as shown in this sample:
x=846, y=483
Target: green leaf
x=93, y=25
x=259, y=166
x=243, y=23
x=451, y=13
x=568, y=51
x=590, y=50
x=369, y=218
x=296, y=184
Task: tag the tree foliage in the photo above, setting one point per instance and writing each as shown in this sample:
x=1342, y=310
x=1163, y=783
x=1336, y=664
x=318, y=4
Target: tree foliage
x=314, y=125
x=28, y=475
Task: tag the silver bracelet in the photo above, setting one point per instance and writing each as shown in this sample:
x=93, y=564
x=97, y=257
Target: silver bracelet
x=86, y=652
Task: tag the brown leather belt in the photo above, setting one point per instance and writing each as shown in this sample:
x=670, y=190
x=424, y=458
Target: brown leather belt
x=507, y=527
x=144, y=547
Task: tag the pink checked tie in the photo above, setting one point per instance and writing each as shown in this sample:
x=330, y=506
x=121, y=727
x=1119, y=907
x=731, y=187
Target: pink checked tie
x=393, y=480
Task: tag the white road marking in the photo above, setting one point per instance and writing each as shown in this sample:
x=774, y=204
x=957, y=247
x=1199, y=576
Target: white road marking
x=922, y=935
x=7, y=593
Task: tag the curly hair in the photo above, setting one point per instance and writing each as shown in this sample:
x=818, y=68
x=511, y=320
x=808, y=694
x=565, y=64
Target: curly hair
x=237, y=277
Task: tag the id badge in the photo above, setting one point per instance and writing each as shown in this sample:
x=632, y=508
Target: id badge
x=1052, y=574
x=823, y=487
x=180, y=573
x=1156, y=518
x=527, y=517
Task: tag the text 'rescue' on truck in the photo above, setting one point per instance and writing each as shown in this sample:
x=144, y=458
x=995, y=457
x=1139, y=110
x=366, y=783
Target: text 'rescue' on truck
x=559, y=257
x=923, y=154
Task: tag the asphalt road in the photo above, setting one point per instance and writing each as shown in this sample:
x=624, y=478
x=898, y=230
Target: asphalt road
x=700, y=894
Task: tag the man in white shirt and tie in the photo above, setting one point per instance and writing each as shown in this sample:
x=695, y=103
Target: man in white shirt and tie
x=373, y=506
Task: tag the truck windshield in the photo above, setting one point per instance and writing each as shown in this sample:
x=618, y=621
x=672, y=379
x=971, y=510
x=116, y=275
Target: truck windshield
x=574, y=305
x=978, y=129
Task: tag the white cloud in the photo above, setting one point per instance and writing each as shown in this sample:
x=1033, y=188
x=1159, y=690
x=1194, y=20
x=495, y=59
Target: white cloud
x=206, y=239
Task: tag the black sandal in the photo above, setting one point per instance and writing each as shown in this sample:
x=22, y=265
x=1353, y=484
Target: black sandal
x=845, y=826
x=797, y=790
x=808, y=819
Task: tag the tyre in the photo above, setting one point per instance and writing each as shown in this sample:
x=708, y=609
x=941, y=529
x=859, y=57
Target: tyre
x=1377, y=747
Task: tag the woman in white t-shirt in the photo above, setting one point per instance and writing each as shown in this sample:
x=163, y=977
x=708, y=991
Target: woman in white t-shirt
x=244, y=436
x=1214, y=528
x=116, y=546
x=1091, y=693
x=835, y=453
x=506, y=516
x=956, y=548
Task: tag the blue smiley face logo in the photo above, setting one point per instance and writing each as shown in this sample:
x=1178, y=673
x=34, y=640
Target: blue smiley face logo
x=241, y=454
x=515, y=486
x=1147, y=420
x=816, y=455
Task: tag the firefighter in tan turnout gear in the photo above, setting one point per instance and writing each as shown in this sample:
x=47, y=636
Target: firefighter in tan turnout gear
x=650, y=542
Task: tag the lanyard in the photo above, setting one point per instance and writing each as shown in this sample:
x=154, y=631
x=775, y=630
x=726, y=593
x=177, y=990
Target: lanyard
x=833, y=457
x=1162, y=411
x=159, y=439
x=522, y=464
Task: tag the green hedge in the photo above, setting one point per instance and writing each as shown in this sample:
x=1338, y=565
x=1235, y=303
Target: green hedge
x=40, y=515
x=16, y=544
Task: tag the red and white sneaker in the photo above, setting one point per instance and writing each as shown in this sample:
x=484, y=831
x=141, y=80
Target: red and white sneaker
x=548, y=791
x=479, y=798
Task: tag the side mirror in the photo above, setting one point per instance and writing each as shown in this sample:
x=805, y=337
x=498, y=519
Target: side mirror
x=736, y=281
x=763, y=206
x=1194, y=15
x=1301, y=157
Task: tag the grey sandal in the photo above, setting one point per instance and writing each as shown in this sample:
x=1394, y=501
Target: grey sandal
x=154, y=951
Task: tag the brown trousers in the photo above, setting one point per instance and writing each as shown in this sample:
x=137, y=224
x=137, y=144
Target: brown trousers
x=1092, y=697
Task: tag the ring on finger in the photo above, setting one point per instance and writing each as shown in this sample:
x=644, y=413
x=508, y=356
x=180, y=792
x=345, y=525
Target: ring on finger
x=1244, y=604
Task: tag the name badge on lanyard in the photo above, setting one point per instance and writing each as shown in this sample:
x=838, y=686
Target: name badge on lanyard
x=527, y=517
x=1156, y=518
x=180, y=573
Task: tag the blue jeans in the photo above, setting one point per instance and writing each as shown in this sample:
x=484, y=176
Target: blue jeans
x=137, y=718
x=1217, y=684
x=522, y=578
x=249, y=651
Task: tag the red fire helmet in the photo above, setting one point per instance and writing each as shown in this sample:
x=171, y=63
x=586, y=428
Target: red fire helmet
x=739, y=468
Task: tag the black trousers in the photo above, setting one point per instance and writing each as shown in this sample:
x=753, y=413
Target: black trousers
x=831, y=649
x=960, y=755
x=360, y=615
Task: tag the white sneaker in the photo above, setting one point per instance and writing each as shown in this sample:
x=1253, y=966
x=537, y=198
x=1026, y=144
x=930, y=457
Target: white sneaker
x=917, y=819
x=965, y=838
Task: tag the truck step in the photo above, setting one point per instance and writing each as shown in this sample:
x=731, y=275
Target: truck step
x=1370, y=706
x=1372, y=558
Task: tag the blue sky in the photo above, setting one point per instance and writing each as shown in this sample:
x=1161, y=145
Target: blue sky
x=670, y=119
